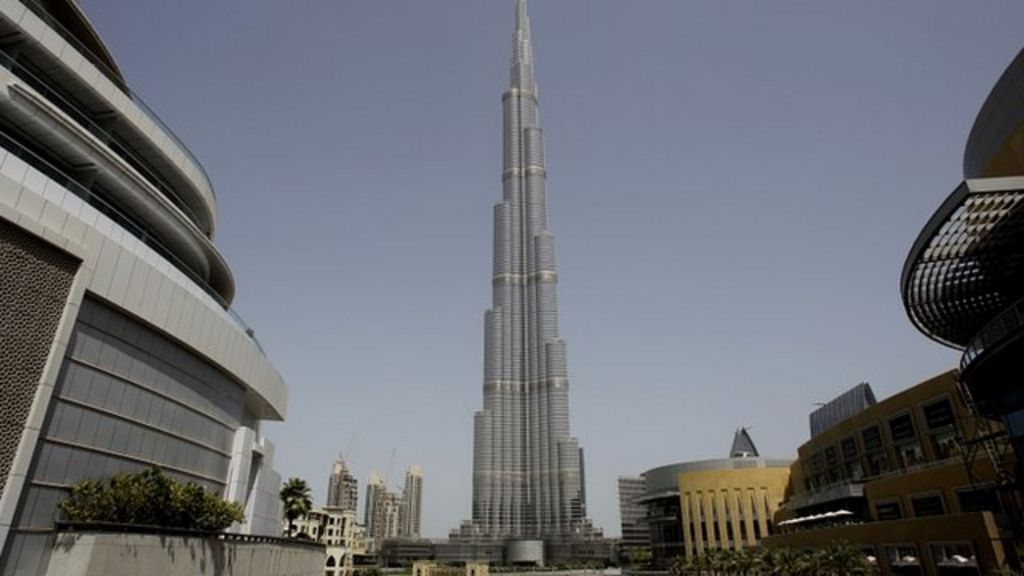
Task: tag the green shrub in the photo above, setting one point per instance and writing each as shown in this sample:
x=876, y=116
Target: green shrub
x=149, y=498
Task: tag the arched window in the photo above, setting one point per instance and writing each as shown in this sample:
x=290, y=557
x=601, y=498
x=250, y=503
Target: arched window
x=331, y=562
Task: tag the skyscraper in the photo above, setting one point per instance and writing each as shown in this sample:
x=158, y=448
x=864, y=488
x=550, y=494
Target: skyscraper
x=527, y=469
x=342, y=488
x=412, y=503
x=383, y=508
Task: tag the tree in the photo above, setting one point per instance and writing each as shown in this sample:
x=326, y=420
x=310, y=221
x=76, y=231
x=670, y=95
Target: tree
x=842, y=559
x=149, y=498
x=297, y=502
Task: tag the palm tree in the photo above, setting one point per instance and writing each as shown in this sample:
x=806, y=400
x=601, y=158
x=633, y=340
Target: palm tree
x=296, y=500
x=843, y=559
x=787, y=562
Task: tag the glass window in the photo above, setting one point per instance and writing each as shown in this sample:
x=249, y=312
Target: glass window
x=954, y=555
x=816, y=461
x=908, y=455
x=878, y=463
x=939, y=414
x=903, y=555
x=888, y=510
x=945, y=445
x=872, y=438
x=849, y=448
x=930, y=505
x=901, y=428
x=978, y=499
x=831, y=456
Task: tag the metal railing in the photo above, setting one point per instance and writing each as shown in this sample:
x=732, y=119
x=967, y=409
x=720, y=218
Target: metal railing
x=126, y=222
x=114, y=77
x=1006, y=324
x=84, y=119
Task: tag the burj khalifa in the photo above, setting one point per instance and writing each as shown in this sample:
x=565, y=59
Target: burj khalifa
x=527, y=468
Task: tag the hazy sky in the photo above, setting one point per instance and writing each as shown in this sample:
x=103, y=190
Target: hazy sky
x=733, y=185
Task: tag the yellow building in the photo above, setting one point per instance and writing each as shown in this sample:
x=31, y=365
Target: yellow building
x=729, y=502
x=891, y=478
x=729, y=508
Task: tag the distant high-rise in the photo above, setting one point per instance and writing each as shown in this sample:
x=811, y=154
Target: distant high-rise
x=636, y=536
x=527, y=469
x=412, y=503
x=342, y=488
x=382, y=509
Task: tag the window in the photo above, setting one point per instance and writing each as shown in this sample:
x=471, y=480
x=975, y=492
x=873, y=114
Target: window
x=872, y=439
x=945, y=445
x=901, y=428
x=954, y=555
x=902, y=555
x=939, y=414
x=851, y=459
x=878, y=463
x=816, y=461
x=930, y=505
x=978, y=499
x=849, y=449
x=831, y=456
x=908, y=455
x=888, y=510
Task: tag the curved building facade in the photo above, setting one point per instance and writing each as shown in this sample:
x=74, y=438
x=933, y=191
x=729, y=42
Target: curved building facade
x=118, y=346
x=722, y=503
x=963, y=281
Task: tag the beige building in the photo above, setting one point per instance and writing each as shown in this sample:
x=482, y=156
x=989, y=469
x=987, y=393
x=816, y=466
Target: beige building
x=731, y=506
x=337, y=529
x=692, y=507
x=904, y=480
x=729, y=503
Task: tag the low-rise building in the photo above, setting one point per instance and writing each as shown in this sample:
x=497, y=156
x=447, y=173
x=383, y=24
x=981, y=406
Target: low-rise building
x=693, y=507
x=336, y=528
x=890, y=478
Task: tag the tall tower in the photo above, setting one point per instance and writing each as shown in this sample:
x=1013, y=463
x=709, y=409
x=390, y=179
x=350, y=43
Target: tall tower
x=527, y=470
x=412, y=503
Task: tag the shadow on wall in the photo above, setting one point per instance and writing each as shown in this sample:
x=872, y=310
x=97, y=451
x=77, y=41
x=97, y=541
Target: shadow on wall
x=128, y=554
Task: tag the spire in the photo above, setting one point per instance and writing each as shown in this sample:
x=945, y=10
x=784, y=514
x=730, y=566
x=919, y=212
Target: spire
x=742, y=445
x=522, y=52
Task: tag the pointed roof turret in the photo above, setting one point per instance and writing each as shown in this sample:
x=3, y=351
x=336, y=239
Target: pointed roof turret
x=743, y=445
x=522, y=51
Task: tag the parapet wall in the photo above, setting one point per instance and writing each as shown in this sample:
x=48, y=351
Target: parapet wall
x=115, y=554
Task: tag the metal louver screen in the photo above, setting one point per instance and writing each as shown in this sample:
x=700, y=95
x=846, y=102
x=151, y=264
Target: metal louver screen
x=35, y=279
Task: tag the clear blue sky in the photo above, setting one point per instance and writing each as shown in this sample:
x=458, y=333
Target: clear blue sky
x=734, y=187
